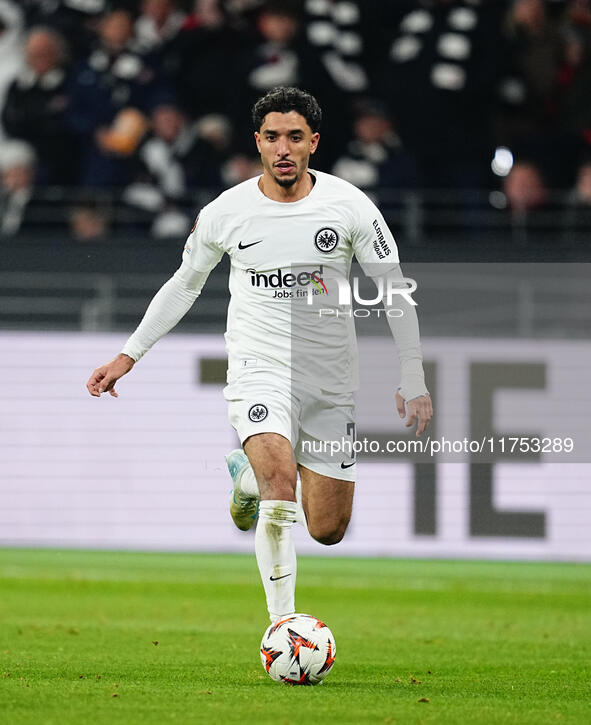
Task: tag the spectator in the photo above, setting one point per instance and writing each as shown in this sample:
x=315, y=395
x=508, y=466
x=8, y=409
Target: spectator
x=239, y=168
x=282, y=57
x=274, y=61
x=88, y=223
x=438, y=77
x=17, y=175
x=335, y=28
x=576, y=76
x=114, y=80
x=72, y=19
x=215, y=135
x=525, y=188
x=11, y=28
x=158, y=24
x=209, y=13
x=176, y=156
x=527, y=117
x=36, y=107
x=199, y=60
x=583, y=184
x=375, y=156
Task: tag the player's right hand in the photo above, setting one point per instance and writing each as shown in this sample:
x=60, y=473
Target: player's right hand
x=103, y=379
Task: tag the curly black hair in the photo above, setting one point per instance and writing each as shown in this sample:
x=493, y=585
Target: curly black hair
x=283, y=99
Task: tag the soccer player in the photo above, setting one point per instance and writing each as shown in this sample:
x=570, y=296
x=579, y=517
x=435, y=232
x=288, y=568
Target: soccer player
x=291, y=365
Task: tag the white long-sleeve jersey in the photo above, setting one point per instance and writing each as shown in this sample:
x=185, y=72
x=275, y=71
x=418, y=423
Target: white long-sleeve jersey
x=288, y=261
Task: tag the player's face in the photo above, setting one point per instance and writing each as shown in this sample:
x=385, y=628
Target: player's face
x=285, y=142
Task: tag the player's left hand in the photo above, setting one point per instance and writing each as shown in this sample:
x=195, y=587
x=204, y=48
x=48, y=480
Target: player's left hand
x=418, y=409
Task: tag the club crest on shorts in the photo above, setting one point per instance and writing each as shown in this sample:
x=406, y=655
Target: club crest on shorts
x=258, y=412
x=326, y=239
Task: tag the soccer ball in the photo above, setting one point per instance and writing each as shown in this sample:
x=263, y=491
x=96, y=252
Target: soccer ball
x=298, y=650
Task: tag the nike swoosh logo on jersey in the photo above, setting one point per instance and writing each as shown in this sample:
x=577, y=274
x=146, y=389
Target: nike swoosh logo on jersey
x=347, y=465
x=275, y=578
x=246, y=246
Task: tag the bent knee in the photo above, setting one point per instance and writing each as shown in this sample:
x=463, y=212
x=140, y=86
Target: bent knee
x=329, y=535
x=329, y=539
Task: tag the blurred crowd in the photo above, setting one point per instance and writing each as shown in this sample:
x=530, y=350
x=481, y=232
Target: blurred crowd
x=152, y=97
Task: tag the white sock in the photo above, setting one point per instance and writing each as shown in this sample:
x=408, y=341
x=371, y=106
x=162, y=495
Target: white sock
x=248, y=483
x=276, y=556
x=300, y=515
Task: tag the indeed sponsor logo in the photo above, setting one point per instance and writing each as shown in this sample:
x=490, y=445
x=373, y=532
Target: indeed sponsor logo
x=281, y=279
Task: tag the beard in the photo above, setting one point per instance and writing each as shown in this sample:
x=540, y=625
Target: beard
x=286, y=183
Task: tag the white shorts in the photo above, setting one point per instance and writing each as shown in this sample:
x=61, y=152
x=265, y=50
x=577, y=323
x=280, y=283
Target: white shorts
x=318, y=424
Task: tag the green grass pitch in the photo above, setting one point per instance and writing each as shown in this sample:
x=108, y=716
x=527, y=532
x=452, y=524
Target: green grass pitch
x=118, y=638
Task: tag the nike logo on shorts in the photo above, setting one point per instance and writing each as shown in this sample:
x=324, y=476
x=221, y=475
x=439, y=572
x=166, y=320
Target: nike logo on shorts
x=275, y=578
x=246, y=246
x=347, y=465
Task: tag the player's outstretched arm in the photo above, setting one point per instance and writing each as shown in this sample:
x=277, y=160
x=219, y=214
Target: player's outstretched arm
x=103, y=379
x=418, y=409
x=172, y=301
x=169, y=305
